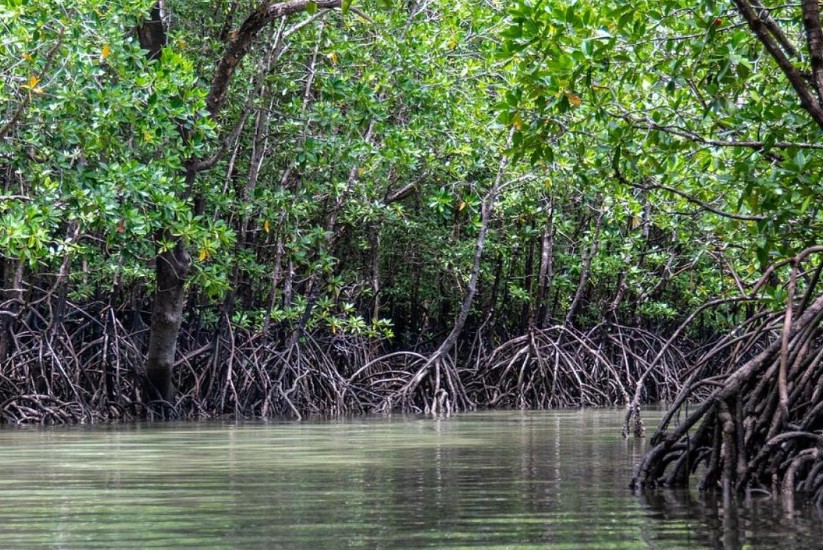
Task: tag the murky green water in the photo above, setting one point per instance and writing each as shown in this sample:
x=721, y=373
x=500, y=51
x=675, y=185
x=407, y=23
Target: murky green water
x=505, y=480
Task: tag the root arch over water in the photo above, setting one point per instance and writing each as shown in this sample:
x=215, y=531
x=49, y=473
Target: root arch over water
x=758, y=424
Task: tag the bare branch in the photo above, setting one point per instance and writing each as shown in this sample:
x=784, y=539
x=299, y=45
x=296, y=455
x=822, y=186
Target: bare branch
x=15, y=117
x=775, y=29
x=694, y=200
x=647, y=122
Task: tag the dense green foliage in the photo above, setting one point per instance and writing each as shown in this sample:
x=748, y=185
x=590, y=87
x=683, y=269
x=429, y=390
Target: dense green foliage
x=322, y=132
x=92, y=153
x=680, y=96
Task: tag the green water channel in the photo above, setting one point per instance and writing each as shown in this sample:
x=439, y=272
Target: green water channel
x=493, y=480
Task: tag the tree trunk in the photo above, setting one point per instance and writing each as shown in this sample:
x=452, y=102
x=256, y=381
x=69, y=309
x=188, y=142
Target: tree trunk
x=12, y=298
x=585, y=271
x=546, y=273
x=172, y=269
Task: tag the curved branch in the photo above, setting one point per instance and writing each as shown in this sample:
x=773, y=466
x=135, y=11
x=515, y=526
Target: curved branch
x=694, y=200
x=697, y=138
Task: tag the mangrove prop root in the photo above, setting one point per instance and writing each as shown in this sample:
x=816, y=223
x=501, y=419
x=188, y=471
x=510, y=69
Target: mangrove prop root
x=68, y=363
x=761, y=426
x=86, y=369
x=562, y=367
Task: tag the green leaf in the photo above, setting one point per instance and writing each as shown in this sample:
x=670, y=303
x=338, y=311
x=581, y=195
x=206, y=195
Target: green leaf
x=311, y=8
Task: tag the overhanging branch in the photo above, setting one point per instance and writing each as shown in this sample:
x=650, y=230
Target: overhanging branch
x=814, y=42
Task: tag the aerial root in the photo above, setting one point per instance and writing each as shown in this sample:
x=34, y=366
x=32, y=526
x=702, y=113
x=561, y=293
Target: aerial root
x=562, y=367
x=86, y=369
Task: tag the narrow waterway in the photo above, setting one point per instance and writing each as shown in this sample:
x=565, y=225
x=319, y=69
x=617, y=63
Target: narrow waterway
x=498, y=479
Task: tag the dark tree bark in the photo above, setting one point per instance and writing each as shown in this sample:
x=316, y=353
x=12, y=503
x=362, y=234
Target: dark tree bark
x=172, y=270
x=152, y=33
x=811, y=21
x=11, y=297
x=240, y=42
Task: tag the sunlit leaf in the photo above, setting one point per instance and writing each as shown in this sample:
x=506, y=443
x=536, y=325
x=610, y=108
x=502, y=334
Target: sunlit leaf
x=573, y=99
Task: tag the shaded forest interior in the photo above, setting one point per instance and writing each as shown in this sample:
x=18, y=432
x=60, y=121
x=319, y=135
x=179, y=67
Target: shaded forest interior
x=261, y=209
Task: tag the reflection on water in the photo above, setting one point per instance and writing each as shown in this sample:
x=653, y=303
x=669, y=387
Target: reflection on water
x=512, y=479
x=754, y=523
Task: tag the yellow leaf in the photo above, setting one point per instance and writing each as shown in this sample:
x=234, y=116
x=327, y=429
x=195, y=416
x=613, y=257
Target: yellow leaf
x=548, y=184
x=27, y=57
x=203, y=254
x=147, y=136
x=573, y=99
x=266, y=226
x=461, y=206
x=517, y=122
x=106, y=51
x=361, y=170
x=32, y=86
x=333, y=58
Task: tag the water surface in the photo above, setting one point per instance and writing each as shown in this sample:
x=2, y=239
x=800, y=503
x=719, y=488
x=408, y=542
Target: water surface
x=493, y=480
